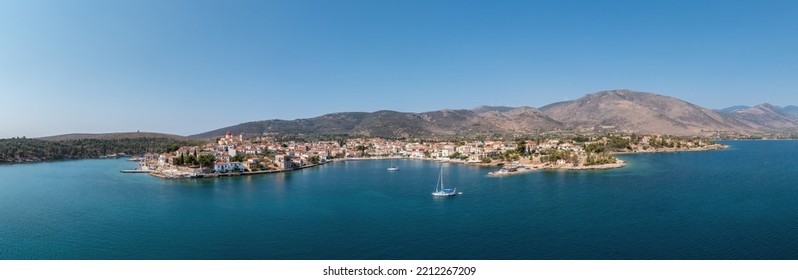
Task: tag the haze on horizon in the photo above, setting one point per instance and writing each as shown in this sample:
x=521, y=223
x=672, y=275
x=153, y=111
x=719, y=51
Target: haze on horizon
x=186, y=67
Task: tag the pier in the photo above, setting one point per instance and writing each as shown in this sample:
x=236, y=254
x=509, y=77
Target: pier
x=136, y=171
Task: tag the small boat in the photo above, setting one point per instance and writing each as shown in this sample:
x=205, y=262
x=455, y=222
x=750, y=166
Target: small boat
x=393, y=167
x=440, y=190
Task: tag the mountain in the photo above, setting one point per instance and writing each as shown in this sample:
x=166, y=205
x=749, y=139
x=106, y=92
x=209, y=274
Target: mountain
x=392, y=124
x=792, y=110
x=766, y=116
x=336, y=123
x=112, y=136
x=630, y=111
x=499, y=109
x=732, y=109
x=522, y=119
x=606, y=111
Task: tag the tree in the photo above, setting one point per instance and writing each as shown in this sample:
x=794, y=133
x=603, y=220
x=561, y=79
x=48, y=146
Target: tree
x=520, y=147
x=206, y=161
x=238, y=158
x=361, y=148
x=177, y=161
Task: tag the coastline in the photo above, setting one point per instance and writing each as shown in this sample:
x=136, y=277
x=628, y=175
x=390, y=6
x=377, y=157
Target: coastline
x=618, y=164
x=538, y=167
x=508, y=168
x=161, y=175
x=714, y=147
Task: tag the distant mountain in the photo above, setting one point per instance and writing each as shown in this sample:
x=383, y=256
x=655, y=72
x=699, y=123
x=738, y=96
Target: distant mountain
x=605, y=111
x=733, y=108
x=766, y=116
x=336, y=123
x=792, y=110
x=499, y=109
x=392, y=124
x=112, y=136
x=630, y=111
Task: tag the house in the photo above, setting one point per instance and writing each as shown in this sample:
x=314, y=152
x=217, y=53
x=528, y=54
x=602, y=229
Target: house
x=474, y=159
x=228, y=166
x=148, y=157
x=223, y=157
x=283, y=162
x=165, y=159
x=250, y=164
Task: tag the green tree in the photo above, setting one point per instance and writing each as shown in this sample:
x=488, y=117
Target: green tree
x=520, y=147
x=207, y=161
x=238, y=158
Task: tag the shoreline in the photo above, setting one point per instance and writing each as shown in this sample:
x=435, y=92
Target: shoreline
x=715, y=147
x=540, y=167
x=161, y=175
x=517, y=168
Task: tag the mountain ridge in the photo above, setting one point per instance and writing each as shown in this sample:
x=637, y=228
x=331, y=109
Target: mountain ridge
x=620, y=110
x=112, y=136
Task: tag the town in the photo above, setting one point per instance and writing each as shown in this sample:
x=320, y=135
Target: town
x=236, y=155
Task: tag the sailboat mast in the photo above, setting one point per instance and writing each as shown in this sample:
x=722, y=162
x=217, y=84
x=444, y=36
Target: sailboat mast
x=441, y=177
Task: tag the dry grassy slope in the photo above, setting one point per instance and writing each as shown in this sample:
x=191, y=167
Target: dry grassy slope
x=766, y=116
x=640, y=112
x=623, y=110
x=522, y=119
x=109, y=136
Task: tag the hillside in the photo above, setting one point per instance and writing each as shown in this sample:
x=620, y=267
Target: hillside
x=112, y=136
x=606, y=111
x=498, y=109
x=766, y=116
x=792, y=110
x=732, y=109
x=35, y=150
x=522, y=119
x=630, y=111
x=392, y=124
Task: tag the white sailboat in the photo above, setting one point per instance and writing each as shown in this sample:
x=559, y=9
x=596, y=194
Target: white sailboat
x=393, y=167
x=440, y=190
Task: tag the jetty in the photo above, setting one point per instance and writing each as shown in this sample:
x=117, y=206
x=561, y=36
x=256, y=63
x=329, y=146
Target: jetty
x=135, y=171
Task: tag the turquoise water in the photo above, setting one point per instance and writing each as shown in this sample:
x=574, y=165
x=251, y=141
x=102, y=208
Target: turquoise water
x=740, y=203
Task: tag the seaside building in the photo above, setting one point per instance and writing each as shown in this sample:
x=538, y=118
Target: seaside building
x=228, y=166
x=283, y=161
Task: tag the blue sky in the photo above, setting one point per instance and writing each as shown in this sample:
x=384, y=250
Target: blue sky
x=186, y=67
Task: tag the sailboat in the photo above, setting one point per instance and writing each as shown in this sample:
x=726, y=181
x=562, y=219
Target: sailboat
x=393, y=167
x=440, y=190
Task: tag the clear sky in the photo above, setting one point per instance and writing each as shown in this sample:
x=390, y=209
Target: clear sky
x=186, y=67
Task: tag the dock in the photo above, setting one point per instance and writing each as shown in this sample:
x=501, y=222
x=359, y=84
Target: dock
x=136, y=171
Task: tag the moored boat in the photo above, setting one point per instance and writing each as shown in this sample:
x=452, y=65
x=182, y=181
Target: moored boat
x=440, y=190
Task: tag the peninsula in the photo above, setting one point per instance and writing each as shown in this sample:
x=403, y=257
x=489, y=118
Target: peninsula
x=236, y=155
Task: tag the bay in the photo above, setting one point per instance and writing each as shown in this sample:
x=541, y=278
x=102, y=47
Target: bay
x=740, y=203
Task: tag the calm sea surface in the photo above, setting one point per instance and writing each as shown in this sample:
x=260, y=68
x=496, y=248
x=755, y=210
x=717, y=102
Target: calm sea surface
x=741, y=203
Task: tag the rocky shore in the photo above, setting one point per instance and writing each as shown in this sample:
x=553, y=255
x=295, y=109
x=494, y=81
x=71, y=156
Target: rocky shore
x=526, y=168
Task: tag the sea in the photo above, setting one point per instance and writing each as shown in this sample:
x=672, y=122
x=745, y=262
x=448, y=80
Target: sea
x=738, y=203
